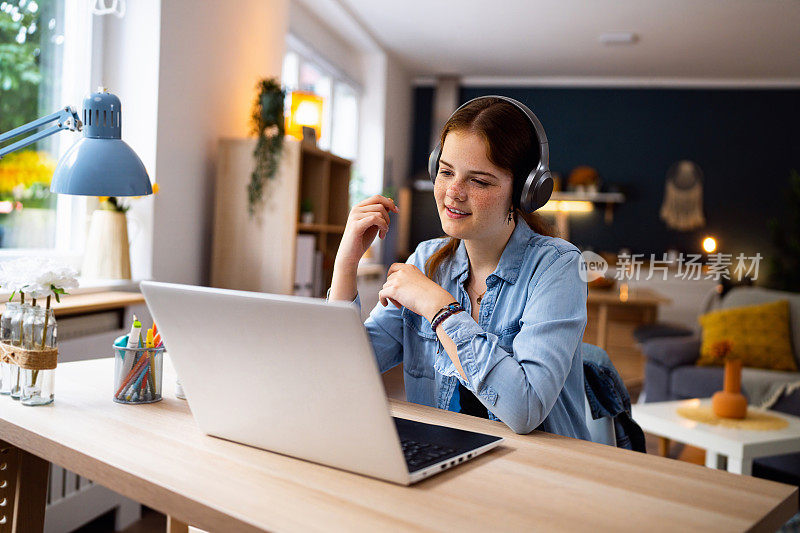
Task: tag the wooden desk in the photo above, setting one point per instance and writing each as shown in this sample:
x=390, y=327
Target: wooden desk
x=155, y=454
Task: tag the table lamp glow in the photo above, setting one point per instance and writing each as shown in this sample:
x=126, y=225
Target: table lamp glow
x=305, y=110
x=99, y=164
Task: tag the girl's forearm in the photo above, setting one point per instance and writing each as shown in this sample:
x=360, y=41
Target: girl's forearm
x=344, y=285
x=450, y=347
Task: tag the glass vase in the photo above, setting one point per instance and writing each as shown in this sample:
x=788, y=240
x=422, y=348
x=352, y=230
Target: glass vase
x=39, y=332
x=11, y=309
x=16, y=322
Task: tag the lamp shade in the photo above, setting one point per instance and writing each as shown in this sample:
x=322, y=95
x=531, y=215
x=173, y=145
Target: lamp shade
x=306, y=109
x=101, y=163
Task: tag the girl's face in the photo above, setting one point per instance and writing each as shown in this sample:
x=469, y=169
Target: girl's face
x=468, y=182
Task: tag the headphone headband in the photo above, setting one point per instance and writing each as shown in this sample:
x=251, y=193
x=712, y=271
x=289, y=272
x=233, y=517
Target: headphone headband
x=538, y=185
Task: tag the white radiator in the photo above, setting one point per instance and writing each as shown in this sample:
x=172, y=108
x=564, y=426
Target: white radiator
x=73, y=501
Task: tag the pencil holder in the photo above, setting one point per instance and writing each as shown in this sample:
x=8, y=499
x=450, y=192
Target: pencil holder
x=137, y=374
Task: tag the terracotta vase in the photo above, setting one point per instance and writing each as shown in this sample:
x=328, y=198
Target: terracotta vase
x=730, y=402
x=107, y=255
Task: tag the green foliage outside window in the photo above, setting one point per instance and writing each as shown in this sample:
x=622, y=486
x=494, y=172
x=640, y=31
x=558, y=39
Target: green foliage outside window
x=20, y=55
x=30, y=62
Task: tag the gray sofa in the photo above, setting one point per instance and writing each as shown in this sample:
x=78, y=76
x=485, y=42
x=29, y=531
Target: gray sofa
x=671, y=373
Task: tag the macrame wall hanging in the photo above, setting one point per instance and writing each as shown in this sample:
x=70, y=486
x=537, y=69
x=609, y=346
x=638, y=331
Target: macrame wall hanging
x=683, y=197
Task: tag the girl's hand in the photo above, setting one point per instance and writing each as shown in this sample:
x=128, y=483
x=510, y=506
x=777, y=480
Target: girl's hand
x=367, y=219
x=406, y=286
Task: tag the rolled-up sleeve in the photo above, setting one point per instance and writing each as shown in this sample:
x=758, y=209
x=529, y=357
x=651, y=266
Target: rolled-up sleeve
x=521, y=387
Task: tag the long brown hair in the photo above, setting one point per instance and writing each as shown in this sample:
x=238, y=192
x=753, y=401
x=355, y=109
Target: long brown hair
x=510, y=145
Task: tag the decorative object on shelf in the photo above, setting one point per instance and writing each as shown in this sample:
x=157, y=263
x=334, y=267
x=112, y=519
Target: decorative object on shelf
x=309, y=135
x=268, y=125
x=729, y=402
x=683, y=197
x=305, y=111
x=306, y=211
x=100, y=163
x=785, y=262
x=28, y=348
x=584, y=179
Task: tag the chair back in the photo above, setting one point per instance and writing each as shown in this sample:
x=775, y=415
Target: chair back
x=602, y=429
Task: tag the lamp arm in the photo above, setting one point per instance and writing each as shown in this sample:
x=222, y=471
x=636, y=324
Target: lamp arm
x=67, y=119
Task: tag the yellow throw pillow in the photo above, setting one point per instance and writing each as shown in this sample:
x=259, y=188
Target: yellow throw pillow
x=759, y=335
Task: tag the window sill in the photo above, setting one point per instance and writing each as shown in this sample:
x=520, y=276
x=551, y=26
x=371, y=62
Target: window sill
x=89, y=286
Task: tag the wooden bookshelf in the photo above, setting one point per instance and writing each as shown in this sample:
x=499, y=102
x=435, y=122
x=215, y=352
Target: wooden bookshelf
x=258, y=253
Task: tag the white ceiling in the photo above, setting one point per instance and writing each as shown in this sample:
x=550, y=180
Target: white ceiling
x=718, y=41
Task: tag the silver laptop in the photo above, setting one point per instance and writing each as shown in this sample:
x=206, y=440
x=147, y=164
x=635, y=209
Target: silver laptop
x=296, y=376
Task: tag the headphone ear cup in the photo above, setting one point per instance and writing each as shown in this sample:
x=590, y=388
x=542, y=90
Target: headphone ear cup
x=544, y=190
x=433, y=162
x=536, y=192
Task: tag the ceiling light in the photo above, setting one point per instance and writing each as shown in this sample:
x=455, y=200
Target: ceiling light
x=618, y=37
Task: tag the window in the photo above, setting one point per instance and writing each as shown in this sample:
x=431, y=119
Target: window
x=45, y=63
x=31, y=52
x=305, y=70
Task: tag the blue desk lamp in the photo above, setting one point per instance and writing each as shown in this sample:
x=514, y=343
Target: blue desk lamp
x=99, y=164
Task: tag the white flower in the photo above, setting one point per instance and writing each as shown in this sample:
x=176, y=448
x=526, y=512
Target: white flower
x=18, y=274
x=39, y=276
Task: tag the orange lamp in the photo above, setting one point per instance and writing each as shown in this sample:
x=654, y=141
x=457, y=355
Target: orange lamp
x=305, y=110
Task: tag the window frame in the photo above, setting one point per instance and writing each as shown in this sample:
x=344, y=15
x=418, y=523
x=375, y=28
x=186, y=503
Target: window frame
x=81, y=66
x=306, y=54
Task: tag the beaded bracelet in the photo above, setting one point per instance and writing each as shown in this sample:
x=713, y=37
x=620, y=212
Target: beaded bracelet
x=445, y=313
x=451, y=305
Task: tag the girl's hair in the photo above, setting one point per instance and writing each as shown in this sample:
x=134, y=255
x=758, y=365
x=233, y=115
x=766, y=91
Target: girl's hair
x=511, y=144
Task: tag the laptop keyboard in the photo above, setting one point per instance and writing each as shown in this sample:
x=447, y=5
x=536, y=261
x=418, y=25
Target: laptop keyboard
x=420, y=453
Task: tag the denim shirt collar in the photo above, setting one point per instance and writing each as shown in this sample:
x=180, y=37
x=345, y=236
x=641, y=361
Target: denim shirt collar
x=510, y=259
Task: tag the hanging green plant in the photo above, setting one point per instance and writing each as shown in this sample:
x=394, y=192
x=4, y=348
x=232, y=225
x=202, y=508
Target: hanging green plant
x=268, y=124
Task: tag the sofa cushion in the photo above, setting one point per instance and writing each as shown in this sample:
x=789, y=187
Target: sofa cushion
x=671, y=352
x=759, y=335
x=660, y=330
x=781, y=468
x=695, y=382
x=742, y=296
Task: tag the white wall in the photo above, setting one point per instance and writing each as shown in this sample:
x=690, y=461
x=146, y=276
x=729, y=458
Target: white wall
x=130, y=61
x=333, y=47
x=186, y=73
x=212, y=54
x=398, y=121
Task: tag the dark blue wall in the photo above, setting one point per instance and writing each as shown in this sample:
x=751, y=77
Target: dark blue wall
x=745, y=141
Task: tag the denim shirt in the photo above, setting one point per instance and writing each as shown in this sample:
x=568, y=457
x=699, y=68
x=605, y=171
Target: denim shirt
x=522, y=358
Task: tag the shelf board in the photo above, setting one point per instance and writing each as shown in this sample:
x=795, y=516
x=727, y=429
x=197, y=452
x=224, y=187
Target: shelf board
x=603, y=197
x=320, y=228
x=316, y=150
